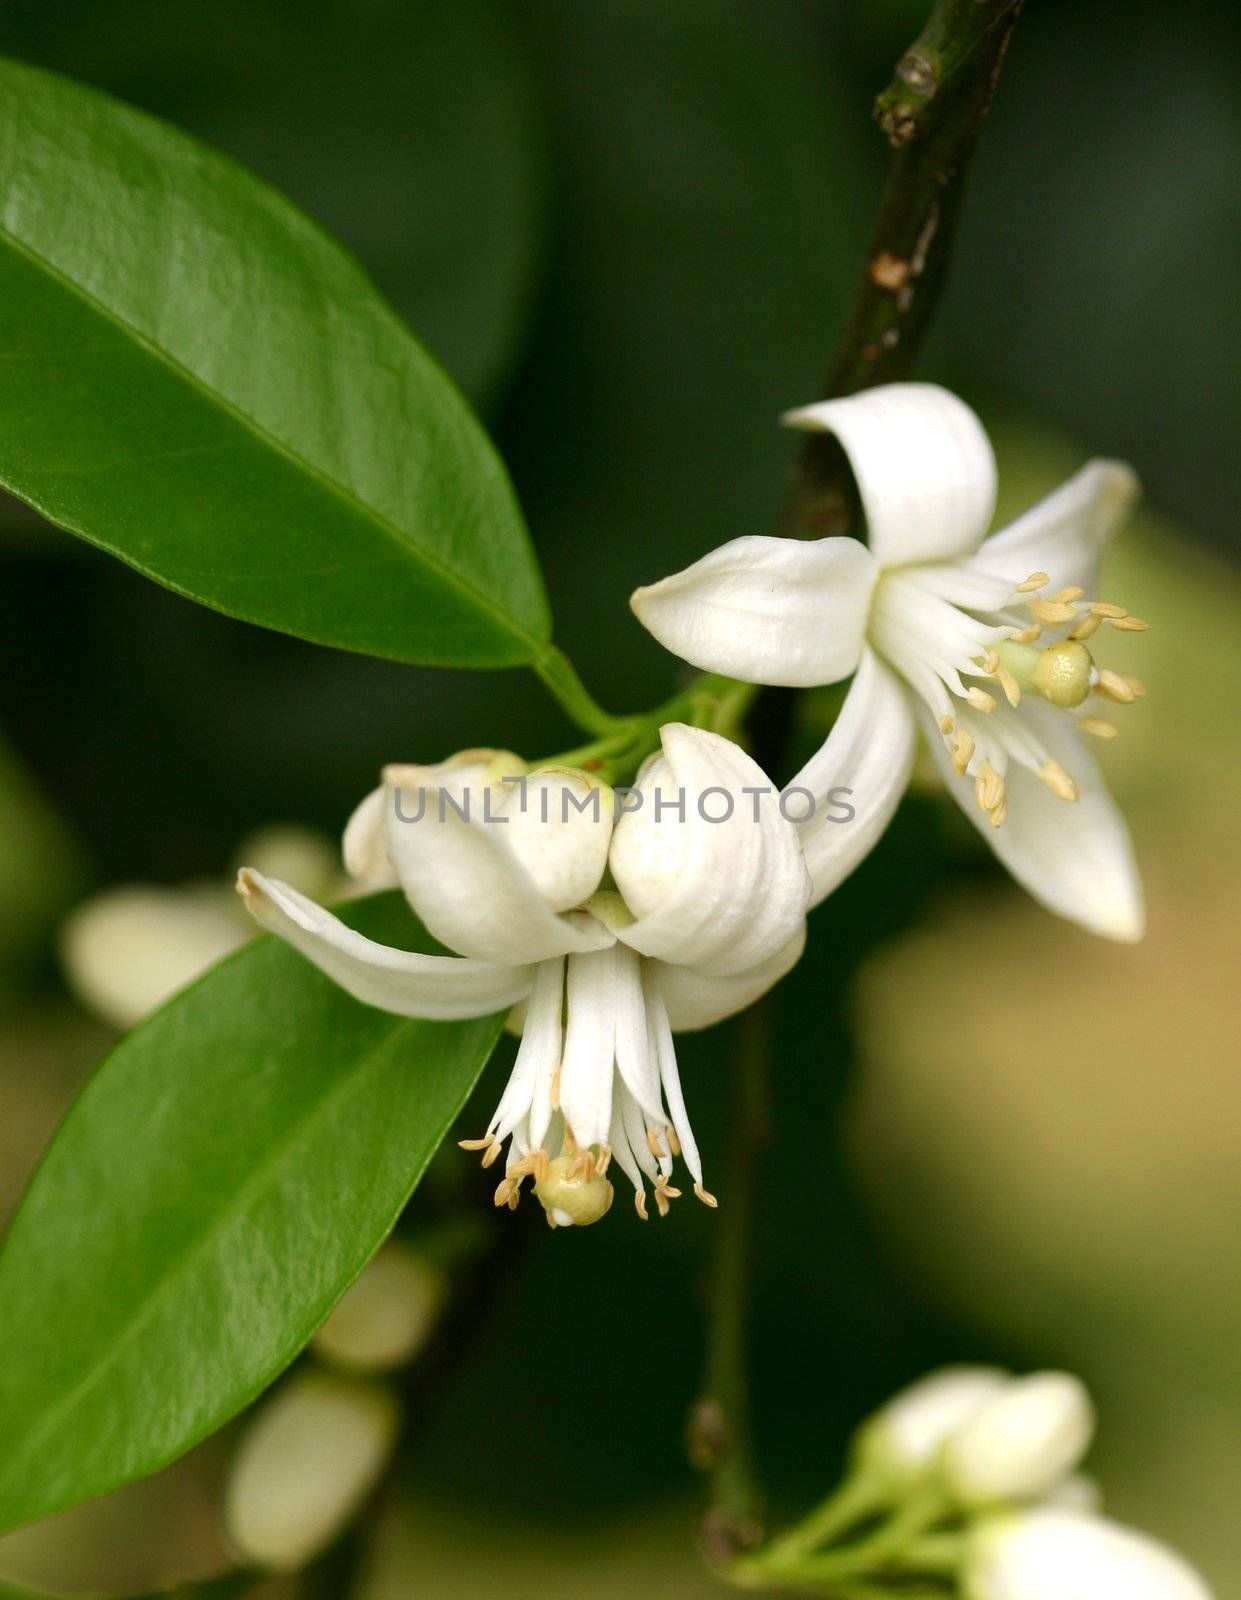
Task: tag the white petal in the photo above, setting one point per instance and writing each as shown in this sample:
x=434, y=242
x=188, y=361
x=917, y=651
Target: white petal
x=638, y=1069
x=589, y=1047
x=1065, y=534
x=1074, y=857
x=720, y=895
x=400, y=981
x=869, y=753
x=924, y=468
x=670, y=1077
x=1070, y=1555
x=463, y=879
x=130, y=948
x=538, y=1056
x=766, y=610
x=695, y=1000
x=365, y=845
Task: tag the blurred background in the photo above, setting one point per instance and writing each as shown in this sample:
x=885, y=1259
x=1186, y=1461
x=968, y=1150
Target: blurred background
x=631, y=231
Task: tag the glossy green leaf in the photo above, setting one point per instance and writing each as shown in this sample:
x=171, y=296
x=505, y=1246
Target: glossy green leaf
x=216, y=1187
x=200, y=381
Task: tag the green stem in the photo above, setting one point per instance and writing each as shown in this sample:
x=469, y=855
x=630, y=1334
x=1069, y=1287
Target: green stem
x=933, y=114
x=856, y=1500
x=560, y=677
x=878, y=1552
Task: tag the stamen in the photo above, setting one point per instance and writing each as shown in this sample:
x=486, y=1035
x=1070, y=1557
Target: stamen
x=1105, y=608
x=507, y=1193
x=1009, y=684
x=946, y=725
x=1098, y=726
x=485, y=1143
x=1067, y=595
x=1116, y=686
x=493, y=1154
x=653, y=1144
x=962, y=753
x=1051, y=612
x=1129, y=624
x=1057, y=780
x=639, y=1203
x=555, y=1091
x=674, y=1144
x=999, y=815
x=1089, y=625
x=706, y=1198
x=988, y=787
x=1036, y=580
x=665, y=1194
x=1028, y=635
x=603, y=1160
x=980, y=700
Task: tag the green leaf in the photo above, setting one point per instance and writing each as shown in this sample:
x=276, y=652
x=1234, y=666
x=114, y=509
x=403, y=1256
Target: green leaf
x=216, y=1187
x=201, y=382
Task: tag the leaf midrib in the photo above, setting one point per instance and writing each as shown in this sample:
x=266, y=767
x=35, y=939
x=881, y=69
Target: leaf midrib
x=331, y=485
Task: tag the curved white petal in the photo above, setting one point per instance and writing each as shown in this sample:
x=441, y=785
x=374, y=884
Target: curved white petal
x=461, y=876
x=1065, y=534
x=365, y=844
x=401, y=981
x=767, y=610
x=857, y=776
x=696, y=1000
x=718, y=884
x=589, y=1046
x=1040, y=1553
x=924, y=468
x=1074, y=857
x=538, y=1056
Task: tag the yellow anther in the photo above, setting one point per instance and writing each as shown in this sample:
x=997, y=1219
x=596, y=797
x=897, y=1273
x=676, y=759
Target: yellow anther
x=639, y=1203
x=1009, y=684
x=1097, y=726
x=1036, y=580
x=674, y=1144
x=946, y=725
x=998, y=814
x=1052, y=612
x=707, y=1198
x=980, y=699
x=1029, y=635
x=1129, y=624
x=990, y=662
x=665, y=1194
x=485, y=1143
x=493, y=1154
x=1090, y=624
x=962, y=753
x=1067, y=595
x=988, y=787
x=654, y=1144
x=507, y=1193
x=1057, y=780
x=1104, y=608
x=1115, y=686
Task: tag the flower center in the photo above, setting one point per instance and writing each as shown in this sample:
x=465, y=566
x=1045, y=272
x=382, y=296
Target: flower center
x=950, y=629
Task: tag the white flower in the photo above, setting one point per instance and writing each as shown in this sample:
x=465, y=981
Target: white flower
x=705, y=917
x=307, y=1459
x=1070, y=1555
x=902, y=1442
x=1022, y=1442
x=982, y=644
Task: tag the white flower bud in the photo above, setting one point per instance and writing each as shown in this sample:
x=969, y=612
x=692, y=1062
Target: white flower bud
x=1081, y=1492
x=559, y=824
x=387, y=1315
x=1021, y=1443
x=129, y=949
x=1069, y=1555
x=903, y=1440
x=306, y=1462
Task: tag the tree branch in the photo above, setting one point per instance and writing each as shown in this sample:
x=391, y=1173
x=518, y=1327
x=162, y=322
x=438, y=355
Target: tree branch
x=933, y=114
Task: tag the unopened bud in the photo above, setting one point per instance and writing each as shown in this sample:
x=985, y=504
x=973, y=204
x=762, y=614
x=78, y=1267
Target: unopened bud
x=572, y=1193
x=305, y=1464
x=387, y=1315
x=1055, y=1555
x=1022, y=1443
x=649, y=844
x=902, y=1442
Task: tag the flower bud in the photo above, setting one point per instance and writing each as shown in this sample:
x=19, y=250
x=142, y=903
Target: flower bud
x=1022, y=1442
x=559, y=824
x=650, y=841
x=387, y=1315
x=903, y=1440
x=307, y=1461
x=1060, y=1555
